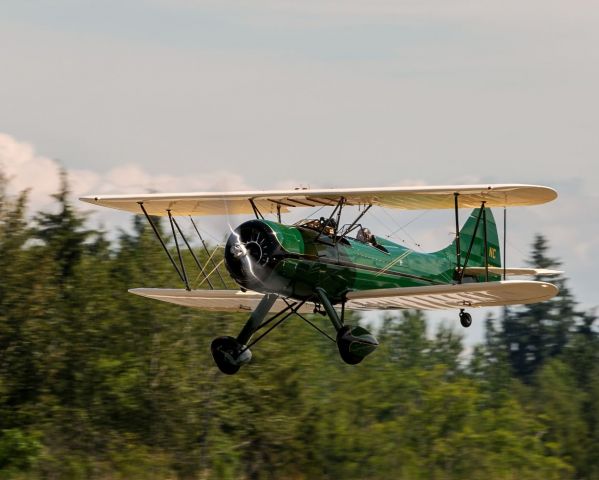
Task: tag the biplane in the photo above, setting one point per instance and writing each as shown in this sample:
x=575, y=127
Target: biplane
x=317, y=265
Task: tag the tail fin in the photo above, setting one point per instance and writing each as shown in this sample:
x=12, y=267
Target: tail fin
x=477, y=254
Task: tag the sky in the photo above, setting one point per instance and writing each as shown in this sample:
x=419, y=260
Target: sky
x=189, y=95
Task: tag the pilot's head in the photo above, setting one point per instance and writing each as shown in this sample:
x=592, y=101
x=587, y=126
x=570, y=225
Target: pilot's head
x=365, y=235
x=328, y=222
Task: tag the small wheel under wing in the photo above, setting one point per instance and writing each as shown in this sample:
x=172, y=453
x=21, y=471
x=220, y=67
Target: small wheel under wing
x=465, y=319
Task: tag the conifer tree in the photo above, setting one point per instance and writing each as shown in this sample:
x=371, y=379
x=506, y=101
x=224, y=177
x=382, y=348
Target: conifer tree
x=63, y=232
x=537, y=332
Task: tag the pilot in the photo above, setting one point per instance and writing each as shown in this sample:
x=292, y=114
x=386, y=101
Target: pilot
x=329, y=224
x=365, y=236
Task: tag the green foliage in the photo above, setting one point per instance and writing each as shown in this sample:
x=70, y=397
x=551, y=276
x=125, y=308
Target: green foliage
x=98, y=383
x=537, y=332
x=18, y=451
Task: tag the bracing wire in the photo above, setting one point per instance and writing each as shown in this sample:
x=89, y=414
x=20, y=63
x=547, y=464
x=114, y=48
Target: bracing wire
x=314, y=213
x=384, y=225
x=211, y=272
x=393, y=234
x=403, y=227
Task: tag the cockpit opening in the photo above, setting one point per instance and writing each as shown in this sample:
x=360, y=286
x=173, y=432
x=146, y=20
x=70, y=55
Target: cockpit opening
x=328, y=226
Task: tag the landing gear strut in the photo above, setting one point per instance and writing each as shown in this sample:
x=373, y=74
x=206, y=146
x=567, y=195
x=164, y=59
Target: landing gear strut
x=465, y=318
x=230, y=354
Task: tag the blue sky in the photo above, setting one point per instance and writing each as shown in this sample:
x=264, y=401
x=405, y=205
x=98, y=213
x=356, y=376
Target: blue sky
x=192, y=95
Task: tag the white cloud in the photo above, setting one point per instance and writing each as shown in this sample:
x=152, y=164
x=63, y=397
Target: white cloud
x=27, y=169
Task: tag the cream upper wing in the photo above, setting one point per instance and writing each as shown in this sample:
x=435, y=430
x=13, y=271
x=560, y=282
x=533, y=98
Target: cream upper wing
x=406, y=198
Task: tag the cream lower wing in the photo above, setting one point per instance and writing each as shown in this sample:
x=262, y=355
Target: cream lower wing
x=213, y=300
x=446, y=297
x=435, y=297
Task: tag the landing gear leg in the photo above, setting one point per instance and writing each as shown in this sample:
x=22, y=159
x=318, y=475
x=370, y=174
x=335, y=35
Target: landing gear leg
x=465, y=318
x=231, y=353
x=354, y=343
x=328, y=307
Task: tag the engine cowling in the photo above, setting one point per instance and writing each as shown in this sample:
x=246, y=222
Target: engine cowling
x=251, y=254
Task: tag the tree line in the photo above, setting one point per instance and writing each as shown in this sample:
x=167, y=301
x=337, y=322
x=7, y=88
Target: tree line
x=97, y=383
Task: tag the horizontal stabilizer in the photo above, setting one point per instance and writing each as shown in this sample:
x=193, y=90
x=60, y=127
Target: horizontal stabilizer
x=445, y=297
x=212, y=300
x=271, y=201
x=512, y=271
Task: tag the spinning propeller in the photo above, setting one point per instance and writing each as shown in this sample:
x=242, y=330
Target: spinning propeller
x=251, y=254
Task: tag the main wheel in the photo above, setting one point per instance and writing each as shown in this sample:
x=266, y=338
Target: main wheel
x=229, y=355
x=355, y=343
x=465, y=319
x=344, y=344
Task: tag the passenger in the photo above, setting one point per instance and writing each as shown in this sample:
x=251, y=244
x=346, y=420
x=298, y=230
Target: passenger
x=365, y=236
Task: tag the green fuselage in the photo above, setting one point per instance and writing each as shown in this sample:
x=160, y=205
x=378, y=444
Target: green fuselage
x=353, y=265
x=293, y=260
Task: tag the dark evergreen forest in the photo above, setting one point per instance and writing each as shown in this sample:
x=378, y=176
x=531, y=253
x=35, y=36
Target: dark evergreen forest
x=97, y=383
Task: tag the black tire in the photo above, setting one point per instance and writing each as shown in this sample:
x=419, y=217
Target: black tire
x=465, y=319
x=224, y=351
x=343, y=344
